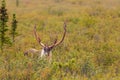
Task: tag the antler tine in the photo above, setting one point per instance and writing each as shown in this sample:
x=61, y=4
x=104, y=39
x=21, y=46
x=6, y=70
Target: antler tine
x=57, y=43
x=37, y=37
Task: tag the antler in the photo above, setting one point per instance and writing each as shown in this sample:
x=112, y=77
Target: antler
x=37, y=37
x=57, y=43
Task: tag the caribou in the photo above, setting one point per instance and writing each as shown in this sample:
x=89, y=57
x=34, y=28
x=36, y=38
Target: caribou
x=46, y=50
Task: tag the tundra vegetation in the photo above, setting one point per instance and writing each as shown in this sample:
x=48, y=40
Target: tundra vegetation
x=90, y=51
x=3, y=25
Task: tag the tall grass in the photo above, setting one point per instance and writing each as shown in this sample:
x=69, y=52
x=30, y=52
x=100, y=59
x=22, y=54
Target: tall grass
x=90, y=51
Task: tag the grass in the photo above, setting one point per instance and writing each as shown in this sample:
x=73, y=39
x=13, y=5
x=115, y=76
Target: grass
x=90, y=51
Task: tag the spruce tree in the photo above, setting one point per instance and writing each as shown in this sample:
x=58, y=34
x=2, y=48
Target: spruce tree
x=3, y=25
x=14, y=27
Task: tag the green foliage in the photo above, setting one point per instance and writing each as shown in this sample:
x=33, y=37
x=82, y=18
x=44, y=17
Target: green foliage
x=58, y=12
x=89, y=21
x=57, y=1
x=90, y=51
x=3, y=25
x=87, y=68
x=17, y=3
x=14, y=27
